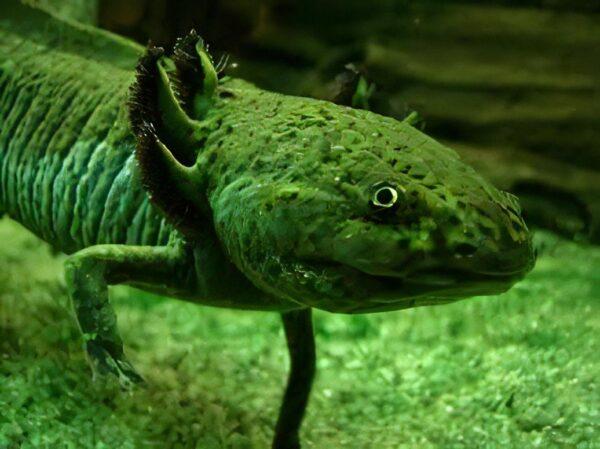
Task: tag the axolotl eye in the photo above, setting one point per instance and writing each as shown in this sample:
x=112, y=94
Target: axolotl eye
x=386, y=196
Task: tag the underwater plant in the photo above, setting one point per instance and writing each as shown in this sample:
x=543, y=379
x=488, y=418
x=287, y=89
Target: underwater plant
x=158, y=172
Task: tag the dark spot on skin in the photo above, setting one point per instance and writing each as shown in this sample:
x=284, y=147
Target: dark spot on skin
x=485, y=212
x=454, y=220
x=399, y=148
x=439, y=239
x=465, y=249
x=325, y=114
x=257, y=164
x=212, y=158
x=488, y=232
x=403, y=244
x=283, y=165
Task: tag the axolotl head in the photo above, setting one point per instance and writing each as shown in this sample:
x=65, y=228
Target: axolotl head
x=346, y=210
x=349, y=211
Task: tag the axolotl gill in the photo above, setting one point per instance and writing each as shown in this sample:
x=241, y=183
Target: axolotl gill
x=152, y=170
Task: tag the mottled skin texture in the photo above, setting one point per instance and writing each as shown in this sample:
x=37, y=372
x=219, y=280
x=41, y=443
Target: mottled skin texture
x=291, y=201
x=238, y=197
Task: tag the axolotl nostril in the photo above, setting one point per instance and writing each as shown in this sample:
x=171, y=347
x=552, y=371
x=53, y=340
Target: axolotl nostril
x=175, y=180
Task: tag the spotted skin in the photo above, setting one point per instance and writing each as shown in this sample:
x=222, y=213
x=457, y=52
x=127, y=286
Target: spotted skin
x=302, y=173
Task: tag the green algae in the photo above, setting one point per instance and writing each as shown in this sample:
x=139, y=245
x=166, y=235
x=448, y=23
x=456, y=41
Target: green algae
x=515, y=371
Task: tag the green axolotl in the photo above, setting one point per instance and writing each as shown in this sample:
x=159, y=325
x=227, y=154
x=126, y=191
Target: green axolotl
x=154, y=171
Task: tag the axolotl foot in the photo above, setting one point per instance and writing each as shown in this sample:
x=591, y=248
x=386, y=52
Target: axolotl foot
x=106, y=361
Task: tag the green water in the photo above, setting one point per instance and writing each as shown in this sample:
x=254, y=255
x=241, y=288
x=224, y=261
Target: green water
x=515, y=371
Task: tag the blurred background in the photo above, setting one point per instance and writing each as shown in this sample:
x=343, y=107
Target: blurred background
x=513, y=85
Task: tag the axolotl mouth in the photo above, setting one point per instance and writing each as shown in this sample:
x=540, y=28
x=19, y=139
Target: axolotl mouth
x=438, y=286
x=343, y=288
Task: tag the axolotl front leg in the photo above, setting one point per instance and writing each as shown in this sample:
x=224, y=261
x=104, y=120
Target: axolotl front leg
x=90, y=271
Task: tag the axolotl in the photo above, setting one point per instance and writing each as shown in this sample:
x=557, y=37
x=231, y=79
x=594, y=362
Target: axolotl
x=153, y=170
